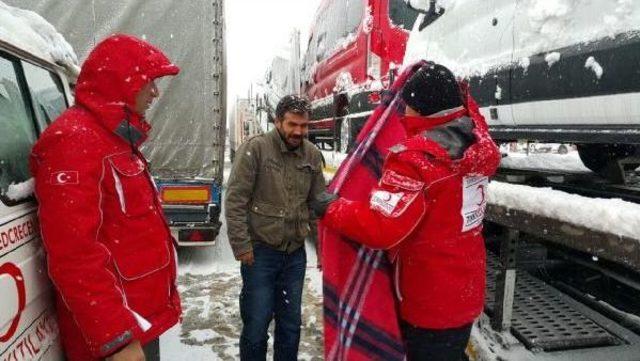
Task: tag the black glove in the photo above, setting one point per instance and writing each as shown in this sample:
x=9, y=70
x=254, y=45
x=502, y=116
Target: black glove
x=322, y=201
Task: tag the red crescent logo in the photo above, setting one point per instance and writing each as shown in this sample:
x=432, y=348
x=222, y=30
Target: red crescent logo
x=14, y=272
x=481, y=188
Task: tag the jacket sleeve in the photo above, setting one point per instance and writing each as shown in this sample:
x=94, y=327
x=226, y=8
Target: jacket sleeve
x=239, y=191
x=318, y=185
x=394, y=210
x=68, y=189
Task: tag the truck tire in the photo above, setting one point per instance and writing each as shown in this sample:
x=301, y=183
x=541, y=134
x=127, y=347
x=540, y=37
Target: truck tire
x=601, y=157
x=563, y=149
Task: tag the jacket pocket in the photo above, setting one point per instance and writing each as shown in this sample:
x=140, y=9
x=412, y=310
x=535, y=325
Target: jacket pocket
x=132, y=184
x=134, y=265
x=267, y=223
x=304, y=175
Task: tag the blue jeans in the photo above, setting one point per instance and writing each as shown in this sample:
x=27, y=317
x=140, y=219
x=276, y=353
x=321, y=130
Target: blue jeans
x=272, y=288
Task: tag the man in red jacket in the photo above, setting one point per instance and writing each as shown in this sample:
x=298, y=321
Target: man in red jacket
x=110, y=252
x=427, y=210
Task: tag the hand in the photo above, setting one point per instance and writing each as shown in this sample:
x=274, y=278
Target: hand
x=322, y=201
x=246, y=258
x=131, y=352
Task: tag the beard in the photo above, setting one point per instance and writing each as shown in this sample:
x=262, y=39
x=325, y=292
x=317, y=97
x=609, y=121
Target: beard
x=292, y=142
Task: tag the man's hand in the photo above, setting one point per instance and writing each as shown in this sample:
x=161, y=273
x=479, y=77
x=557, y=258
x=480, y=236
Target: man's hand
x=322, y=201
x=132, y=352
x=246, y=258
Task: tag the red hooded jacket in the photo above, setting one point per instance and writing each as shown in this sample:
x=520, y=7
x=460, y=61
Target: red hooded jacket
x=110, y=252
x=428, y=209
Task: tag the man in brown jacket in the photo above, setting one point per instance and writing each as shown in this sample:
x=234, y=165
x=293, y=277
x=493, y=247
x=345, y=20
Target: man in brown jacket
x=274, y=179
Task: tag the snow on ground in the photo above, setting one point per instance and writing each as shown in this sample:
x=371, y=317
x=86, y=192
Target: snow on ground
x=209, y=282
x=613, y=216
x=30, y=31
x=489, y=345
x=211, y=325
x=555, y=162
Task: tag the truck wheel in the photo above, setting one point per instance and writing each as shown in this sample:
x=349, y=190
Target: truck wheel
x=562, y=149
x=600, y=158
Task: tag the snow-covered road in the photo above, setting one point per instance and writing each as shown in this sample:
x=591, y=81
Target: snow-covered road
x=209, y=283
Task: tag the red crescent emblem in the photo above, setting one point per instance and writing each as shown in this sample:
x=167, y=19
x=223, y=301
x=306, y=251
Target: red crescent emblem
x=481, y=188
x=14, y=272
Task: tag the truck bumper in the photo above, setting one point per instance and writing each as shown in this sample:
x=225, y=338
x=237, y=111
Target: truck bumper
x=198, y=235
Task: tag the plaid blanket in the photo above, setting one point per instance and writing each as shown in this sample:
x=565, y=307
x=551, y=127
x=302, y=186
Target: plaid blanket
x=360, y=311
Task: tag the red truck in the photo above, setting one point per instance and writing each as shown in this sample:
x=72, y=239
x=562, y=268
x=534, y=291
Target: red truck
x=353, y=49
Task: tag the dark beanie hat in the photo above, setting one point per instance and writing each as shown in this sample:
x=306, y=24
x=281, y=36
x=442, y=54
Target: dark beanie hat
x=432, y=89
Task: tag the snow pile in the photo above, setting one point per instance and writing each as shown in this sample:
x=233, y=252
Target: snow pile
x=548, y=17
x=344, y=81
x=613, y=216
x=559, y=23
x=31, y=32
x=488, y=345
x=368, y=21
x=524, y=63
x=555, y=162
x=592, y=64
x=498, y=93
x=552, y=58
x=20, y=191
x=344, y=42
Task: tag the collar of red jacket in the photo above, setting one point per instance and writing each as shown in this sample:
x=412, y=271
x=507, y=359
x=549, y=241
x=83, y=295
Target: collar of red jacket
x=114, y=72
x=481, y=158
x=417, y=124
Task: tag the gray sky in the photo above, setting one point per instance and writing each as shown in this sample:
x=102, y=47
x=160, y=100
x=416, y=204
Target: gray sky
x=257, y=30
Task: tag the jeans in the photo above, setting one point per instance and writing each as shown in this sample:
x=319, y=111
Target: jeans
x=272, y=288
x=435, y=345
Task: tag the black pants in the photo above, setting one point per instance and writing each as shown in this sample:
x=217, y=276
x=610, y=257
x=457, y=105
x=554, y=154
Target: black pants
x=152, y=350
x=435, y=345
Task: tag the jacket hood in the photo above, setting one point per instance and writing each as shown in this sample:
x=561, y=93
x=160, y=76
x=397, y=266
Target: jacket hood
x=459, y=139
x=114, y=72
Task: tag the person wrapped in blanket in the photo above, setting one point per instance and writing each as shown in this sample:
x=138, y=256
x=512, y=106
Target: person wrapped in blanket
x=427, y=211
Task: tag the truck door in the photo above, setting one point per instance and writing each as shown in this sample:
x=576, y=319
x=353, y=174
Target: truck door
x=581, y=61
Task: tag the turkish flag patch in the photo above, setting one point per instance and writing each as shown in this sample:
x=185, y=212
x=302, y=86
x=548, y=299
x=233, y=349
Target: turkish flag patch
x=65, y=177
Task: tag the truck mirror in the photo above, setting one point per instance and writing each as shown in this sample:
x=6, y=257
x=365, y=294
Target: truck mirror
x=421, y=6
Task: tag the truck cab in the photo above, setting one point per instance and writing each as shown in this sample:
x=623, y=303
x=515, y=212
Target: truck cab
x=353, y=47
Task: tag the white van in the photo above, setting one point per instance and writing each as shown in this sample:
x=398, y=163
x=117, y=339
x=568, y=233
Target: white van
x=560, y=71
x=34, y=90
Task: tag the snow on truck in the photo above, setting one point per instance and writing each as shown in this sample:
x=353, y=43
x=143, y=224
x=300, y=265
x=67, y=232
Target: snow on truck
x=550, y=71
x=186, y=146
x=353, y=50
